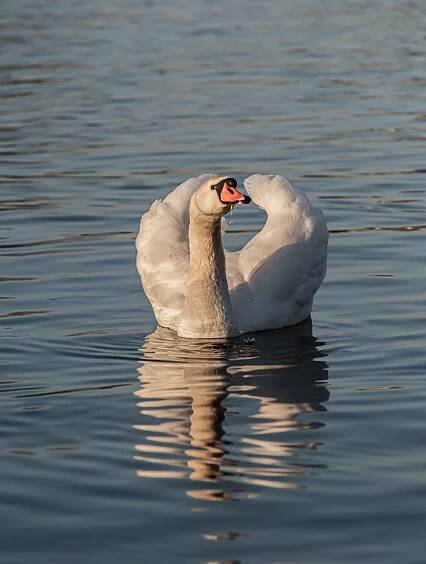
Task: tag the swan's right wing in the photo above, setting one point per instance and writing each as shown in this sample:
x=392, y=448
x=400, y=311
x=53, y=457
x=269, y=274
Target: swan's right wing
x=163, y=252
x=273, y=279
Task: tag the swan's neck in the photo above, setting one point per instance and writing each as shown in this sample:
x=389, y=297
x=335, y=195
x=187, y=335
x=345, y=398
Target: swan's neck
x=207, y=311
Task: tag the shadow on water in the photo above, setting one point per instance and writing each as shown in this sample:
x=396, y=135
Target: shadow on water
x=239, y=411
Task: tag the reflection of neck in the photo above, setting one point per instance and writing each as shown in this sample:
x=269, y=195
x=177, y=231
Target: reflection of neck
x=207, y=387
x=207, y=309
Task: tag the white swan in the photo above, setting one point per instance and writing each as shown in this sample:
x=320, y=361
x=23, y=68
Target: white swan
x=201, y=291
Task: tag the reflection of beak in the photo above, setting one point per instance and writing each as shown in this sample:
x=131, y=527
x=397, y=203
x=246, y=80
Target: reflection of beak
x=228, y=193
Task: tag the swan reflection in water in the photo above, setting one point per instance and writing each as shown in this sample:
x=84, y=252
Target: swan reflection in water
x=229, y=412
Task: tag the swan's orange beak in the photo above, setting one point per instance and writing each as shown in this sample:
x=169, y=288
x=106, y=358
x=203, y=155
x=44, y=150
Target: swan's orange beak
x=228, y=193
x=231, y=195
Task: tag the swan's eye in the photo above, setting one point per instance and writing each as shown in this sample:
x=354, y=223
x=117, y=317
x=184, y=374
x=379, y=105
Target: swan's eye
x=212, y=187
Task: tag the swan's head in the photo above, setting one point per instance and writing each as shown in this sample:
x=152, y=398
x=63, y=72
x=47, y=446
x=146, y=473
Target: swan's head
x=217, y=195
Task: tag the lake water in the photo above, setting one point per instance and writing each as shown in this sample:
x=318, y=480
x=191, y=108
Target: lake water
x=304, y=445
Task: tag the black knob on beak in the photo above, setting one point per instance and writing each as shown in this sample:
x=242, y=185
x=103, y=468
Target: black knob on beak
x=231, y=182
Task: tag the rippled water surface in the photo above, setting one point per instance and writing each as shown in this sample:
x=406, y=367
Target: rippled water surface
x=121, y=444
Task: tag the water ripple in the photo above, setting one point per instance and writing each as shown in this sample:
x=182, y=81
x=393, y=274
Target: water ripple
x=188, y=390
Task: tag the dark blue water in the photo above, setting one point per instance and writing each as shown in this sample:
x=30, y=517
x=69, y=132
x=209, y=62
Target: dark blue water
x=304, y=445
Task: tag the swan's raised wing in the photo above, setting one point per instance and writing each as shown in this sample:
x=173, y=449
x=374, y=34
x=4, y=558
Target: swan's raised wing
x=273, y=279
x=163, y=252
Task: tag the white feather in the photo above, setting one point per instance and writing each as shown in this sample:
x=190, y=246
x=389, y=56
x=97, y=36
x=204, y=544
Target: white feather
x=163, y=252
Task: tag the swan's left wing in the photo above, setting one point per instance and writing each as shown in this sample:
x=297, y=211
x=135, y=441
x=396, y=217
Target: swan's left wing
x=273, y=279
x=163, y=252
